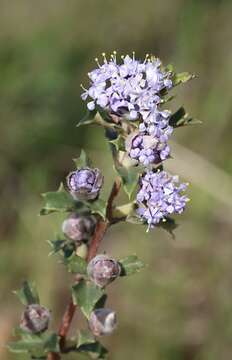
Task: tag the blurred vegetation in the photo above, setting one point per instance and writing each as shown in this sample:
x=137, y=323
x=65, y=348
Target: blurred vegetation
x=180, y=306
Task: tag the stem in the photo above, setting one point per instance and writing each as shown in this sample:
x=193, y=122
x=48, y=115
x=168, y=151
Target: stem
x=99, y=233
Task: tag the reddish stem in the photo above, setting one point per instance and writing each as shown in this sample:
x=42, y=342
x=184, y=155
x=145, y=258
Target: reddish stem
x=96, y=240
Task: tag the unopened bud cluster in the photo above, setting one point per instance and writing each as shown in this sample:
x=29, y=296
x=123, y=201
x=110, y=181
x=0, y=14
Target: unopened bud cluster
x=102, y=270
x=85, y=183
x=35, y=319
x=102, y=321
x=79, y=228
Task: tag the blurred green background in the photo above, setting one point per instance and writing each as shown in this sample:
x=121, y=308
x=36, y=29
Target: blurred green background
x=180, y=306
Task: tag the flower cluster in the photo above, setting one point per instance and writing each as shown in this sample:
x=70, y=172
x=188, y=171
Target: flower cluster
x=160, y=195
x=147, y=149
x=132, y=90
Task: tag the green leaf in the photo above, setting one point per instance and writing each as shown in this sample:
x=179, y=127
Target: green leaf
x=88, y=118
x=97, y=207
x=94, y=350
x=119, y=143
x=85, y=337
x=181, y=118
x=59, y=201
x=28, y=293
x=25, y=346
x=130, y=177
x=101, y=302
x=76, y=264
x=29, y=343
x=82, y=161
x=56, y=245
x=130, y=265
x=86, y=295
x=51, y=343
x=169, y=225
x=36, y=345
x=181, y=78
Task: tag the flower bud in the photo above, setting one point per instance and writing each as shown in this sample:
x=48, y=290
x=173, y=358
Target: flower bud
x=35, y=319
x=102, y=270
x=85, y=183
x=79, y=227
x=102, y=322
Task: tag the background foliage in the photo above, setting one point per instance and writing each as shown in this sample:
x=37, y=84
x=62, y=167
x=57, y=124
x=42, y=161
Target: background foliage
x=179, y=307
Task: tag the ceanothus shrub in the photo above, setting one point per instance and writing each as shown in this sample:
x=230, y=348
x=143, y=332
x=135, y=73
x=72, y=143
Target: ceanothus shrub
x=128, y=98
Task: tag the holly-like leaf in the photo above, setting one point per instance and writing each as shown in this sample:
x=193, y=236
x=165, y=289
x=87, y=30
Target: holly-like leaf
x=181, y=118
x=56, y=245
x=130, y=177
x=85, y=337
x=59, y=201
x=169, y=225
x=97, y=207
x=82, y=161
x=130, y=265
x=88, y=118
x=28, y=293
x=26, y=345
x=86, y=295
x=51, y=343
x=76, y=264
x=36, y=345
x=181, y=78
x=95, y=350
x=119, y=143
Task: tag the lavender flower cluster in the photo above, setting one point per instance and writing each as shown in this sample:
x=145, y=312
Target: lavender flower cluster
x=133, y=90
x=160, y=195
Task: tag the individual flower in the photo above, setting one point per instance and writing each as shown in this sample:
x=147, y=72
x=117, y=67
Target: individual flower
x=85, y=183
x=79, y=227
x=35, y=319
x=129, y=88
x=148, y=149
x=159, y=196
x=102, y=322
x=103, y=269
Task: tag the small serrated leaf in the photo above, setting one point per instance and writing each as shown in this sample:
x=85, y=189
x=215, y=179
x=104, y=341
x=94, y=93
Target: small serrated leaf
x=88, y=118
x=82, y=161
x=86, y=295
x=130, y=177
x=181, y=78
x=95, y=350
x=28, y=293
x=56, y=245
x=76, y=264
x=119, y=143
x=59, y=201
x=36, y=345
x=130, y=265
x=97, y=207
x=85, y=337
x=51, y=343
x=31, y=343
x=181, y=118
